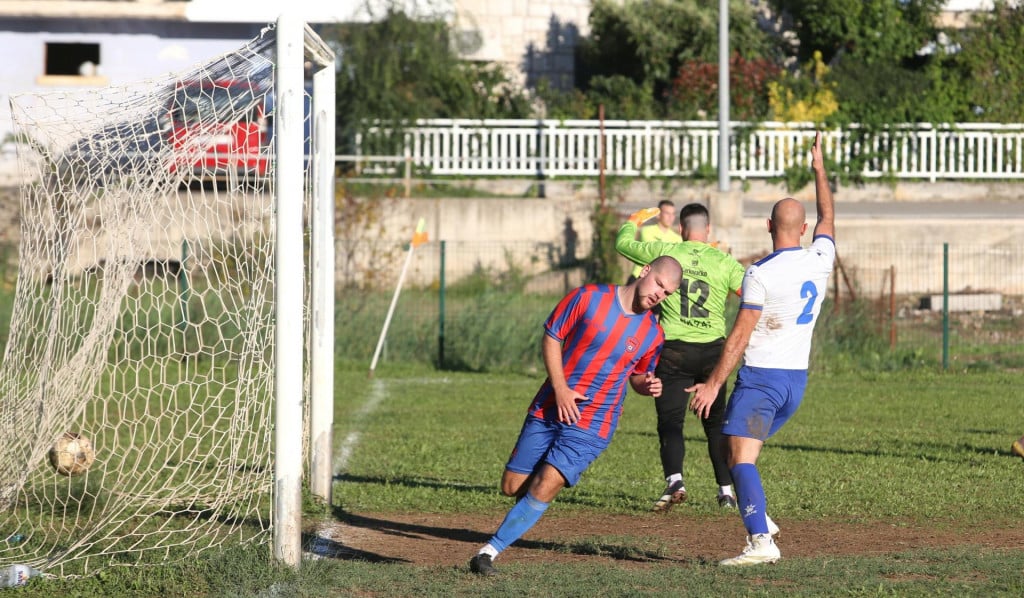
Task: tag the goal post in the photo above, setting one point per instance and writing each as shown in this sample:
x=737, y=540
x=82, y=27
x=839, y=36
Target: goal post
x=323, y=121
x=292, y=38
x=173, y=311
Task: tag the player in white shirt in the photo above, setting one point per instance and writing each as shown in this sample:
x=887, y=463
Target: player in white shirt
x=782, y=296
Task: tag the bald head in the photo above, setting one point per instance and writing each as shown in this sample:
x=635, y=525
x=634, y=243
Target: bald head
x=788, y=222
x=657, y=280
x=668, y=267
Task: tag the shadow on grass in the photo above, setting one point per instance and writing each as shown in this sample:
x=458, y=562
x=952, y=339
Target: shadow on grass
x=415, y=483
x=331, y=549
x=930, y=451
x=567, y=496
x=413, y=531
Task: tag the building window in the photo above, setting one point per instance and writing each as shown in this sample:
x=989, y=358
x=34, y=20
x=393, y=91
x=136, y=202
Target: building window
x=71, y=64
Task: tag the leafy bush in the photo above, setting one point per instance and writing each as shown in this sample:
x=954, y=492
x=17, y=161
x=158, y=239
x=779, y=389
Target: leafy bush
x=603, y=264
x=804, y=96
x=694, y=93
x=991, y=63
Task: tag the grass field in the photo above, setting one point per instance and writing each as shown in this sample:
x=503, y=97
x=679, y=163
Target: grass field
x=868, y=452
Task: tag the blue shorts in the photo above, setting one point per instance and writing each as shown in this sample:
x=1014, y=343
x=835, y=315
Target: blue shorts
x=763, y=400
x=568, y=449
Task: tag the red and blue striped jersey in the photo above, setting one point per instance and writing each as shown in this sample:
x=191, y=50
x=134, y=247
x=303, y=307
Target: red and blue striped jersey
x=602, y=346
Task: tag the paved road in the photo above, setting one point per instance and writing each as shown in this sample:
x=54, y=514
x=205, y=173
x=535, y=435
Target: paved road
x=938, y=210
x=902, y=210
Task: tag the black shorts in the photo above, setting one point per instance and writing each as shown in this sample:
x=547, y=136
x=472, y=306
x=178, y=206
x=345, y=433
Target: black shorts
x=682, y=359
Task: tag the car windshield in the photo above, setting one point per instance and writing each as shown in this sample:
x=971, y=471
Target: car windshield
x=197, y=103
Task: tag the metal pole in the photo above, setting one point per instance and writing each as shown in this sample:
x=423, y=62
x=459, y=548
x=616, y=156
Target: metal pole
x=408, y=174
x=321, y=416
x=288, y=294
x=391, y=311
x=600, y=179
x=892, y=307
x=723, y=95
x=416, y=240
x=945, y=306
x=440, y=320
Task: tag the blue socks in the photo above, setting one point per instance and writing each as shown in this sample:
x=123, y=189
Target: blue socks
x=518, y=521
x=750, y=496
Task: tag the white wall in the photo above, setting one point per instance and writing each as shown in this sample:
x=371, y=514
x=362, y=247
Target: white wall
x=130, y=50
x=533, y=38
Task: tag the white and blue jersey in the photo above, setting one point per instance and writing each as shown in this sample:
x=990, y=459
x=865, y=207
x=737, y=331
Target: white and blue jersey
x=788, y=287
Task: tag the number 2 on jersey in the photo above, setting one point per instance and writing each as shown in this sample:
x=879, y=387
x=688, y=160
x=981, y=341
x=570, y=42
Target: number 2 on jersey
x=810, y=292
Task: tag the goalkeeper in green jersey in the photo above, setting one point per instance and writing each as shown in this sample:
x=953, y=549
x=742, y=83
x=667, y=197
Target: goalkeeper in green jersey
x=694, y=324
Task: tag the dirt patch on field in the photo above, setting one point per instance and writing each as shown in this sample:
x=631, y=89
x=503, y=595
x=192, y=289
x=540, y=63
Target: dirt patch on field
x=644, y=538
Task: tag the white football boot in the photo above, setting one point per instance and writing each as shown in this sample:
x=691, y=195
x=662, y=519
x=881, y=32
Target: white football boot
x=761, y=549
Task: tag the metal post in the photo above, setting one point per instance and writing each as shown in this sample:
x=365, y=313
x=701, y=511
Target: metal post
x=440, y=320
x=945, y=306
x=600, y=180
x=723, y=95
x=321, y=416
x=288, y=294
x=408, y=174
x=892, y=307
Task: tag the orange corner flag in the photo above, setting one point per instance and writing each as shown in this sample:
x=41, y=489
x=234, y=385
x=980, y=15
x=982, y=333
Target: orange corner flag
x=420, y=236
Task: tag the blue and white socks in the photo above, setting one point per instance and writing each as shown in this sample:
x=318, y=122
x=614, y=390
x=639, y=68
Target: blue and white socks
x=519, y=520
x=750, y=497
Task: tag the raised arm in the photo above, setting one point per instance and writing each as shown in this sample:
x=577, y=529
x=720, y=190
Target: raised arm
x=638, y=252
x=826, y=206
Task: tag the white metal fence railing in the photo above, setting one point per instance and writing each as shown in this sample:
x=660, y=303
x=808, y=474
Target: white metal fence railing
x=553, y=148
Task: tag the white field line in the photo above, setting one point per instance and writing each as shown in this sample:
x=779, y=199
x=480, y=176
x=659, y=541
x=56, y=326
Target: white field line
x=378, y=393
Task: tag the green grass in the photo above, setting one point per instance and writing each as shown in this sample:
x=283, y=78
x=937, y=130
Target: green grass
x=864, y=447
x=870, y=445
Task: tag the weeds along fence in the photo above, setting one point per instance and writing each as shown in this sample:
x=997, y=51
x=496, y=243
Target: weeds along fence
x=480, y=306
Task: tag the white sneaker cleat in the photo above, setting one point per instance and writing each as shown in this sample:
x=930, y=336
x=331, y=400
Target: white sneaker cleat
x=760, y=550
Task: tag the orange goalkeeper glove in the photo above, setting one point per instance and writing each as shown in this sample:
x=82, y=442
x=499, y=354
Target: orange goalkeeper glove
x=641, y=216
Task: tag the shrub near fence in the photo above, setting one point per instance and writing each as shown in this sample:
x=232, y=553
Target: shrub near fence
x=883, y=310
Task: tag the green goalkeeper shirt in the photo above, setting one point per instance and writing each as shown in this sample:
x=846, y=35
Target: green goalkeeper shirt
x=697, y=312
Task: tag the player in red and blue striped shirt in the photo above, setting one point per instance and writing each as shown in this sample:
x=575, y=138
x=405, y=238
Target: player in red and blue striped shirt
x=597, y=338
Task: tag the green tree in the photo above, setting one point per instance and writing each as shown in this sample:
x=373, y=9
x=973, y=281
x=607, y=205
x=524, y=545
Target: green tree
x=694, y=93
x=990, y=65
x=880, y=67
x=646, y=41
x=875, y=31
x=396, y=69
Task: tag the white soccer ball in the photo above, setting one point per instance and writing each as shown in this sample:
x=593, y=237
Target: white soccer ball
x=72, y=454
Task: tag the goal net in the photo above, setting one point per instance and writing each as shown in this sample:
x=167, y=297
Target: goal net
x=148, y=306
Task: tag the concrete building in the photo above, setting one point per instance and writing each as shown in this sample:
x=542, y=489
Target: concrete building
x=94, y=43
x=957, y=13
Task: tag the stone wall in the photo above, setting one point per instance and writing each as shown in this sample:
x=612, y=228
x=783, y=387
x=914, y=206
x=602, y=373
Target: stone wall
x=543, y=236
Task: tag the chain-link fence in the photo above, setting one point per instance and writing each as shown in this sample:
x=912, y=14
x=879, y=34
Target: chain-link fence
x=481, y=305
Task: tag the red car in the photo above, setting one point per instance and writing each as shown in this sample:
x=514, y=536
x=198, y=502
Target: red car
x=218, y=130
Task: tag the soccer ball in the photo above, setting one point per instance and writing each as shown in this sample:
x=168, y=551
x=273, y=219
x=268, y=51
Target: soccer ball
x=72, y=454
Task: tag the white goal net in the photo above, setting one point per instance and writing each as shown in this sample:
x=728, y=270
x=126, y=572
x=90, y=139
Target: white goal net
x=145, y=310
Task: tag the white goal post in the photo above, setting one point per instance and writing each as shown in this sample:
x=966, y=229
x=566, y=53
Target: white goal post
x=174, y=307
x=292, y=39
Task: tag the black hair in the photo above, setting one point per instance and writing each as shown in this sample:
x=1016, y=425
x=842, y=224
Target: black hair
x=693, y=209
